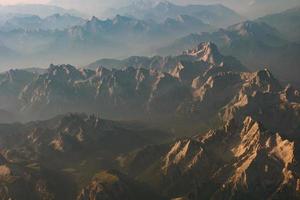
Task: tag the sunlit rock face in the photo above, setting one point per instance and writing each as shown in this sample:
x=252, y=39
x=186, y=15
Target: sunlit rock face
x=257, y=44
x=240, y=160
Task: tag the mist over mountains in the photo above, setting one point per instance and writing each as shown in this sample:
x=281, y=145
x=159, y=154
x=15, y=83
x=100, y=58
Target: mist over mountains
x=34, y=9
x=95, y=37
x=256, y=44
x=34, y=22
x=259, y=119
x=157, y=100
x=150, y=31
x=247, y=8
x=216, y=15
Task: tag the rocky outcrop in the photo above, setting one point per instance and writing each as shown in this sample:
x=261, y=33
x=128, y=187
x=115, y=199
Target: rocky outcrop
x=262, y=97
x=129, y=92
x=241, y=160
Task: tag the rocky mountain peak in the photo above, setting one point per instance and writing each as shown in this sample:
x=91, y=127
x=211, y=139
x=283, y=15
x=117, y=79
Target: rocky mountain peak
x=291, y=94
x=91, y=25
x=251, y=130
x=265, y=75
x=262, y=80
x=249, y=123
x=254, y=29
x=245, y=149
x=64, y=72
x=207, y=52
x=61, y=67
x=94, y=19
x=246, y=26
x=183, y=155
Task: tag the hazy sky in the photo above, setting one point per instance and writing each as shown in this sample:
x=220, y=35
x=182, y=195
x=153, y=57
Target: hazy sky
x=245, y=7
x=12, y=2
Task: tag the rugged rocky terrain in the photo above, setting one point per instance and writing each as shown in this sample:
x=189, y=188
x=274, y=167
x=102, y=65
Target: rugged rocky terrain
x=255, y=43
x=239, y=161
x=133, y=92
x=252, y=155
x=54, y=159
x=201, y=84
x=180, y=101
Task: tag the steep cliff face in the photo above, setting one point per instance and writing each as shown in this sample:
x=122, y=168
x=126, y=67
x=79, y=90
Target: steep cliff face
x=262, y=97
x=241, y=160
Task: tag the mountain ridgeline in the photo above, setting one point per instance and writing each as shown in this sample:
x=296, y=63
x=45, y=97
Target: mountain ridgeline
x=155, y=101
x=148, y=29
x=214, y=130
x=132, y=92
x=255, y=44
x=65, y=37
x=215, y=14
x=35, y=23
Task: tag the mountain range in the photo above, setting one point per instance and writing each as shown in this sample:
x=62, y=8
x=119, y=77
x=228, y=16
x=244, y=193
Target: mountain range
x=35, y=41
x=239, y=161
x=62, y=36
x=181, y=102
x=182, y=89
x=33, y=38
x=40, y=10
x=34, y=22
x=64, y=88
x=286, y=22
x=26, y=172
x=258, y=8
x=253, y=153
x=248, y=8
x=216, y=15
x=255, y=44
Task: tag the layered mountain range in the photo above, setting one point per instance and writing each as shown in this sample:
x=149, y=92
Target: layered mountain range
x=35, y=39
x=286, y=22
x=242, y=160
x=132, y=92
x=65, y=38
x=248, y=149
x=199, y=84
x=41, y=10
x=29, y=40
x=34, y=22
x=215, y=14
x=206, y=107
x=255, y=44
x=269, y=41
